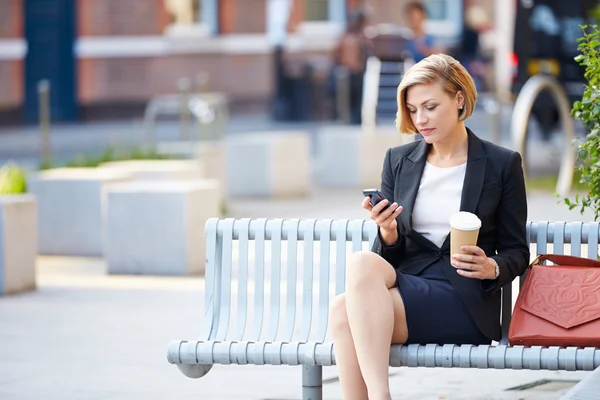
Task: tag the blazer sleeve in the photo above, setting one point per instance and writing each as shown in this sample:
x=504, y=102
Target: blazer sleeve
x=512, y=248
x=392, y=253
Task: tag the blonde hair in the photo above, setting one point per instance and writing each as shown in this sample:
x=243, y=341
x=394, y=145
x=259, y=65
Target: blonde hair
x=437, y=68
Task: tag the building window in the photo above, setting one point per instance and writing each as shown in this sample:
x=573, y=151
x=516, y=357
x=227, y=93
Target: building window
x=444, y=17
x=184, y=12
x=437, y=9
x=317, y=10
x=193, y=15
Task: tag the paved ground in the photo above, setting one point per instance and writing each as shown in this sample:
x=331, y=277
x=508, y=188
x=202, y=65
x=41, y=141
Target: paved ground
x=85, y=335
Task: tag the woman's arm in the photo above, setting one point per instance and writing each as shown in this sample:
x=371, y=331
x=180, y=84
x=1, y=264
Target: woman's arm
x=511, y=219
x=388, y=244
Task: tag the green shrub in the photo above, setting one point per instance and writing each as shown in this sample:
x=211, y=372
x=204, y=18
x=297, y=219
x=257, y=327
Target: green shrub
x=13, y=179
x=588, y=112
x=110, y=154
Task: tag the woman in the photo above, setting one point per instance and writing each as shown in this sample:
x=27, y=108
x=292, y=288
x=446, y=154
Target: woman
x=410, y=289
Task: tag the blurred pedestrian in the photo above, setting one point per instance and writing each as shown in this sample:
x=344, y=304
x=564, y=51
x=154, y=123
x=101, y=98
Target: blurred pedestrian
x=421, y=45
x=351, y=54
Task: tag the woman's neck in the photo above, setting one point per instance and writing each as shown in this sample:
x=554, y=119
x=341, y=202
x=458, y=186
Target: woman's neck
x=454, y=147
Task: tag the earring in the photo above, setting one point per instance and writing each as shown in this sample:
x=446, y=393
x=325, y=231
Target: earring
x=461, y=107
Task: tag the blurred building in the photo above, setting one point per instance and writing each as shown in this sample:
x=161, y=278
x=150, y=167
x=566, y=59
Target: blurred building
x=107, y=58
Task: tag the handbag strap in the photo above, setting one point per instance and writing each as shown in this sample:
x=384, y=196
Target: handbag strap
x=566, y=260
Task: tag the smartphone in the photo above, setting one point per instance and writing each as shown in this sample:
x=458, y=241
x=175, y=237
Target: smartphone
x=376, y=196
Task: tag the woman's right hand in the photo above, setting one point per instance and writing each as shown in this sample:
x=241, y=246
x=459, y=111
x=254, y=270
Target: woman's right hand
x=386, y=220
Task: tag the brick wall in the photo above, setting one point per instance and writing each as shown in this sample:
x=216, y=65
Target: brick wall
x=11, y=19
x=11, y=71
x=243, y=77
x=121, y=17
x=243, y=16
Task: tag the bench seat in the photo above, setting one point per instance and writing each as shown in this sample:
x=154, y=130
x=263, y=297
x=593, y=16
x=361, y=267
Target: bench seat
x=269, y=284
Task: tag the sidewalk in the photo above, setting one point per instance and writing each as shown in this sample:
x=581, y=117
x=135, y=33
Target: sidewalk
x=85, y=335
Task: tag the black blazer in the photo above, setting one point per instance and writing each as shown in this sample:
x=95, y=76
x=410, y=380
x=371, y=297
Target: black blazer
x=494, y=190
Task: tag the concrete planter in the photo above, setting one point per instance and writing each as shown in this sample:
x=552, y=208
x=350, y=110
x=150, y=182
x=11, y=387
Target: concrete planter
x=157, y=228
x=274, y=164
x=349, y=157
x=18, y=244
x=157, y=169
x=70, y=209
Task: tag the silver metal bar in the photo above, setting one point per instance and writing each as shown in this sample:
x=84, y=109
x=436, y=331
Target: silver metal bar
x=308, y=229
x=226, y=261
x=43, y=88
x=275, y=309
x=242, y=292
x=542, y=236
x=593, y=228
x=340, y=261
x=357, y=234
x=292, y=280
x=212, y=278
x=558, y=241
x=324, y=270
x=312, y=382
x=522, y=110
x=259, y=278
x=576, y=238
x=184, y=85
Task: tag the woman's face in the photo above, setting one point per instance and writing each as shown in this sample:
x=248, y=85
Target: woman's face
x=433, y=112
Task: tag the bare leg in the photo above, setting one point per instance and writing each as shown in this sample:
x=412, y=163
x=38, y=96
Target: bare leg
x=351, y=380
x=376, y=317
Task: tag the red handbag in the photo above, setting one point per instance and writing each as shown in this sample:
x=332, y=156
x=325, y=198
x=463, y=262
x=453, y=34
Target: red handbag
x=558, y=305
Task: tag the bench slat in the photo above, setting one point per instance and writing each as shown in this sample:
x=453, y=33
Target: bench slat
x=357, y=234
x=576, y=238
x=212, y=278
x=292, y=280
x=226, y=265
x=307, y=280
x=324, y=272
x=259, y=277
x=340, y=262
x=592, y=229
x=542, y=237
x=242, y=292
x=559, y=233
x=275, y=309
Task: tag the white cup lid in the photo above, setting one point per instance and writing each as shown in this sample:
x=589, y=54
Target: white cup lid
x=465, y=221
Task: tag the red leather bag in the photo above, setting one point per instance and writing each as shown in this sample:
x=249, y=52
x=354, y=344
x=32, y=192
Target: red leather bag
x=558, y=305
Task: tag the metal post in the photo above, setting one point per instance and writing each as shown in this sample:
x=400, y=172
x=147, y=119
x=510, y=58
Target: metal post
x=342, y=78
x=312, y=382
x=184, y=86
x=44, y=121
x=520, y=117
x=202, y=82
x=492, y=107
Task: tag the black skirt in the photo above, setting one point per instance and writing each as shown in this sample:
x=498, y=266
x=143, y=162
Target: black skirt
x=435, y=313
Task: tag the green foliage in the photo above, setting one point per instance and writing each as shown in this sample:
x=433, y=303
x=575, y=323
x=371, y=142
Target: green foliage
x=110, y=154
x=588, y=112
x=13, y=179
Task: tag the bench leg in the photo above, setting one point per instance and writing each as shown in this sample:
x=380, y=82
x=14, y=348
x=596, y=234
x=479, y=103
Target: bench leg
x=312, y=382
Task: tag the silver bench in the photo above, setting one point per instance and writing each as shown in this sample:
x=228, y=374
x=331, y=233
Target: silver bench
x=260, y=309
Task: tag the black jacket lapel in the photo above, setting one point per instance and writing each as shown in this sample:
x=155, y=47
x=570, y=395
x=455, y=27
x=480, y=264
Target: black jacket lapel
x=475, y=174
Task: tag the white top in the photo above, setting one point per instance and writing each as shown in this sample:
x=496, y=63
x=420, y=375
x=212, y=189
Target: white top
x=438, y=198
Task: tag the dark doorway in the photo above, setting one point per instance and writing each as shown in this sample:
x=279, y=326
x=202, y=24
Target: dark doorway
x=50, y=33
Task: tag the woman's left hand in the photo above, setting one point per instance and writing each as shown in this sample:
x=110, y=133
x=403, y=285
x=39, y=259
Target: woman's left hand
x=475, y=264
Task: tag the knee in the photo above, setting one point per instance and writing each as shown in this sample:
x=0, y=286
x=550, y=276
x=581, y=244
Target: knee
x=364, y=268
x=338, y=317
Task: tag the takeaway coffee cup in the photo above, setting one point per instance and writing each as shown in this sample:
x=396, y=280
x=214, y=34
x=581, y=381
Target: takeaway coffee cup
x=464, y=230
